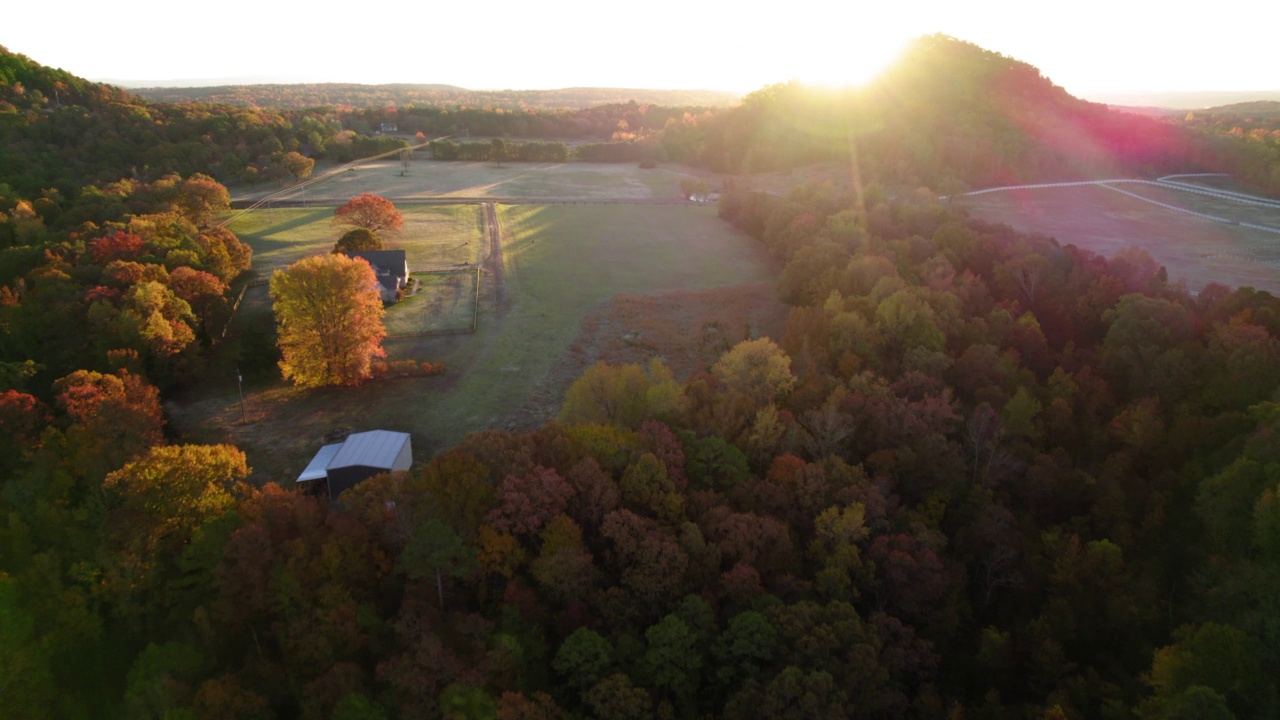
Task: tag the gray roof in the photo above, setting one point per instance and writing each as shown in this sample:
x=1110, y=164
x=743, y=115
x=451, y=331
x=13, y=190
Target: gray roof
x=392, y=261
x=375, y=448
x=316, y=469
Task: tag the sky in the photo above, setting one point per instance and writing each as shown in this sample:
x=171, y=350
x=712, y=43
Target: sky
x=1090, y=47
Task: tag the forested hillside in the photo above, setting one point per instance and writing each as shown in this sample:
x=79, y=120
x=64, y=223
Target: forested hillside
x=1248, y=136
x=951, y=116
x=980, y=475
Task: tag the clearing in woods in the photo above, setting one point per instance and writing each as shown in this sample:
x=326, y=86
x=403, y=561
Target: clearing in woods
x=684, y=273
x=434, y=237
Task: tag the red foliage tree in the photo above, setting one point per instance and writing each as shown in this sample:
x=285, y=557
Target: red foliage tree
x=527, y=502
x=371, y=212
x=203, y=291
x=119, y=245
x=22, y=417
x=913, y=580
x=114, y=417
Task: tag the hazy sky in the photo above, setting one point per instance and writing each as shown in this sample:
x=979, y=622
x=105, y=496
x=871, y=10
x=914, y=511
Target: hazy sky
x=1089, y=47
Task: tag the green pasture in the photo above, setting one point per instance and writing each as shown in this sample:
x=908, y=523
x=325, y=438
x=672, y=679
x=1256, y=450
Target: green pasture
x=432, y=236
x=560, y=262
x=430, y=179
x=443, y=301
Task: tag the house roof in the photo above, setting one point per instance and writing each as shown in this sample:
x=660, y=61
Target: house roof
x=317, y=468
x=393, y=261
x=375, y=448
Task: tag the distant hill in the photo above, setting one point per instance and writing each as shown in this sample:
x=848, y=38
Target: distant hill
x=1186, y=100
x=947, y=115
x=1258, y=109
x=1148, y=110
x=306, y=95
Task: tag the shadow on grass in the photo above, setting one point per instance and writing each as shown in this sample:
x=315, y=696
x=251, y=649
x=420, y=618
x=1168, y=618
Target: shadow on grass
x=297, y=218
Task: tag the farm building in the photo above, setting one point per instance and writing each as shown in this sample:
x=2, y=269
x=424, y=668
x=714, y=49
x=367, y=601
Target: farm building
x=361, y=455
x=391, y=267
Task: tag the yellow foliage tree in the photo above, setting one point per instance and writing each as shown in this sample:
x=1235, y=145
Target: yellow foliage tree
x=330, y=320
x=756, y=369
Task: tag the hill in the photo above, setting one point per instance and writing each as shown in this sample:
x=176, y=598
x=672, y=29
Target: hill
x=1186, y=100
x=1256, y=109
x=947, y=115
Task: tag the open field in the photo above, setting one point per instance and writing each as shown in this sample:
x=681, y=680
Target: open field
x=432, y=236
x=444, y=301
x=432, y=180
x=1197, y=250
x=562, y=265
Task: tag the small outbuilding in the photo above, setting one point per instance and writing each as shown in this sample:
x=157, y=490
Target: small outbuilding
x=362, y=455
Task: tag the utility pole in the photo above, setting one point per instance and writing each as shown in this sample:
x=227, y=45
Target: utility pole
x=244, y=419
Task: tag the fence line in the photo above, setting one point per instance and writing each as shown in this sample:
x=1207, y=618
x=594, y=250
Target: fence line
x=234, y=307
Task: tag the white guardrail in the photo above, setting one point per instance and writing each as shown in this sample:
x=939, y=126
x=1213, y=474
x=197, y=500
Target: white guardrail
x=1165, y=182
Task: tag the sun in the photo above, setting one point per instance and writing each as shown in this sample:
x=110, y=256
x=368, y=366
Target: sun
x=847, y=64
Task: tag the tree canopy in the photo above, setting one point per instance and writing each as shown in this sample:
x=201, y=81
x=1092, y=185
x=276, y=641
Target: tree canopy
x=329, y=314
x=371, y=212
x=356, y=240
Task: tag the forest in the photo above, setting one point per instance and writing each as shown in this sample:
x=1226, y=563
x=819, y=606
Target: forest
x=982, y=474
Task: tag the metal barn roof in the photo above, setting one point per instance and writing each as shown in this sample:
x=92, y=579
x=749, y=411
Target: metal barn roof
x=375, y=448
x=316, y=469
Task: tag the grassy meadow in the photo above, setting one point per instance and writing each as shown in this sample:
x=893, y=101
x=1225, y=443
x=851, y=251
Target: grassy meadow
x=560, y=263
x=432, y=236
x=432, y=180
x=443, y=301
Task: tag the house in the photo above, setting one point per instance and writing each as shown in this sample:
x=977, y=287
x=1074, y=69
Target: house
x=391, y=267
x=339, y=466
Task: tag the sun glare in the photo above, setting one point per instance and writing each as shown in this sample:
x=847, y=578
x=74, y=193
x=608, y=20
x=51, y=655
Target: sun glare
x=847, y=64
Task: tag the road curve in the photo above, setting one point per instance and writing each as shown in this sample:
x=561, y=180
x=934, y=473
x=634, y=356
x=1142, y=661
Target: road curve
x=1164, y=182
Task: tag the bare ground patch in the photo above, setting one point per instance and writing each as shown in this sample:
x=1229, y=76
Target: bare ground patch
x=687, y=329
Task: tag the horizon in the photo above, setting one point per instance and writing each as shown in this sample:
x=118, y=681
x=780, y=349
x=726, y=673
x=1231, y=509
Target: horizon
x=671, y=46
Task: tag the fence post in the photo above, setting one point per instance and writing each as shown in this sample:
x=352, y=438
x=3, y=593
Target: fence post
x=475, y=302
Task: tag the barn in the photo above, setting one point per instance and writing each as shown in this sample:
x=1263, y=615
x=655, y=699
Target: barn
x=362, y=455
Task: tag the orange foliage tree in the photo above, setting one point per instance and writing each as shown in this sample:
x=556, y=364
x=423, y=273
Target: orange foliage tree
x=371, y=212
x=330, y=318
x=113, y=418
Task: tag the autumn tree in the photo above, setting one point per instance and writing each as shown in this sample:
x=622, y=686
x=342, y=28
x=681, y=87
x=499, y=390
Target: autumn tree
x=298, y=165
x=623, y=395
x=22, y=416
x=330, y=319
x=356, y=240
x=199, y=198
x=756, y=369
x=113, y=417
x=162, y=498
x=371, y=212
